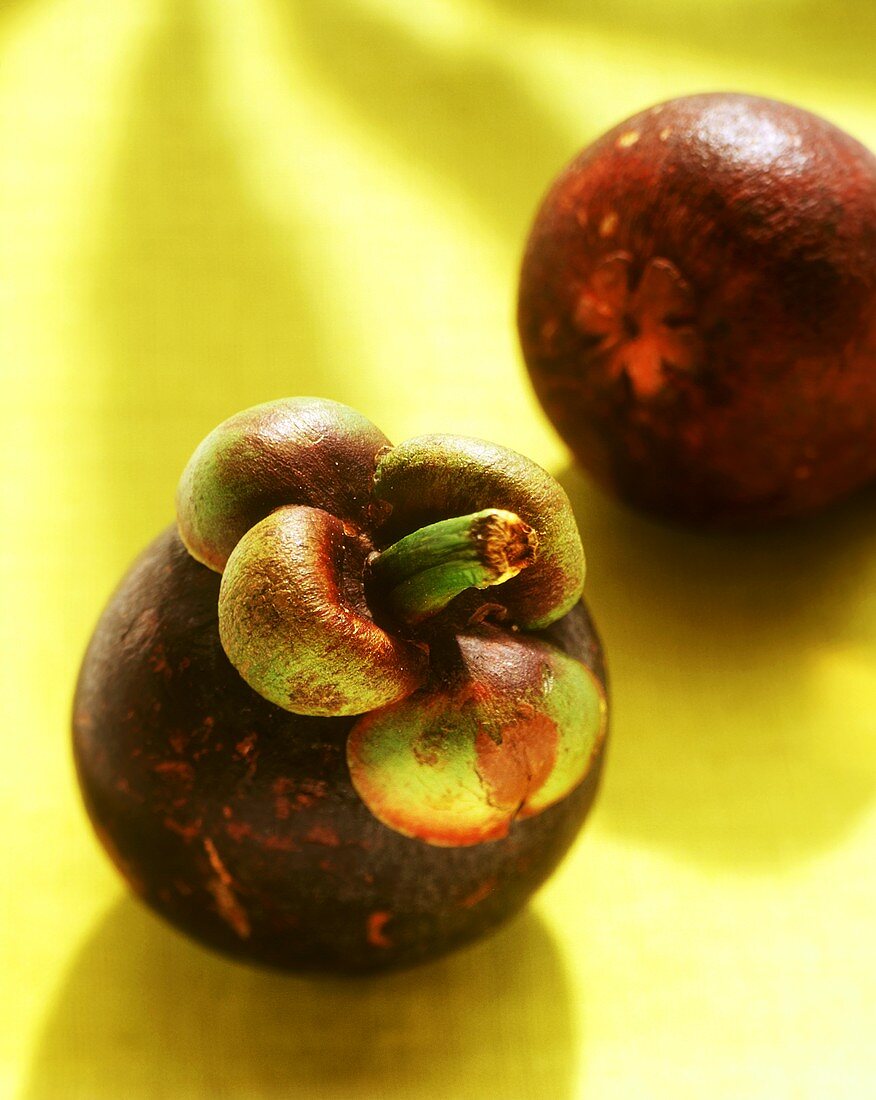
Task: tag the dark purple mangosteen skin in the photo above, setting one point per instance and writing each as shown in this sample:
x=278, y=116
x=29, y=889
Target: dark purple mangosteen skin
x=697, y=310
x=237, y=821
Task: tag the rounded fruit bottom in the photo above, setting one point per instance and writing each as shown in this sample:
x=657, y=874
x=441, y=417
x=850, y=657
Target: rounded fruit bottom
x=236, y=820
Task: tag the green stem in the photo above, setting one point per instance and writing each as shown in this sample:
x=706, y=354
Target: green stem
x=421, y=573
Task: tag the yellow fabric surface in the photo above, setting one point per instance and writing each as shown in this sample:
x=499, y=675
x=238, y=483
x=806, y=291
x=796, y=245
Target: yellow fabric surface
x=205, y=204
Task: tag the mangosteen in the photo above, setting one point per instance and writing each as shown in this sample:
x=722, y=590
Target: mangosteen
x=697, y=310
x=350, y=711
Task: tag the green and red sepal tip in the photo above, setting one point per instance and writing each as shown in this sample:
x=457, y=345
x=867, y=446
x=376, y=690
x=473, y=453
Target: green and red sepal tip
x=508, y=727
x=294, y=621
x=300, y=450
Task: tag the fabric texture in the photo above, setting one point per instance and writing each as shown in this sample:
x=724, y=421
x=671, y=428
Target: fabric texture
x=207, y=204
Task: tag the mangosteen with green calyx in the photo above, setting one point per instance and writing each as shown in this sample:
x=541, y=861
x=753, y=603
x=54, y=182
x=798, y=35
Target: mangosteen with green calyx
x=697, y=310
x=350, y=711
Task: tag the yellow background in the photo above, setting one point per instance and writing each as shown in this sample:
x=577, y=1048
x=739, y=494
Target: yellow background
x=208, y=203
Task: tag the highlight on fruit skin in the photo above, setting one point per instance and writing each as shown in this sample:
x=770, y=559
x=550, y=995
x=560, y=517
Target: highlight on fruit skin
x=403, y=584
x=697, y=309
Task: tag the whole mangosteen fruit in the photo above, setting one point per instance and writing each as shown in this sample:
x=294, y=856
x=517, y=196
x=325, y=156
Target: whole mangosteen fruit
x=350, y=711
x=697, y=309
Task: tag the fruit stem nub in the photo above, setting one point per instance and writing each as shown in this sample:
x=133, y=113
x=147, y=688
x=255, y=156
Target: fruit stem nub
x=422, y=572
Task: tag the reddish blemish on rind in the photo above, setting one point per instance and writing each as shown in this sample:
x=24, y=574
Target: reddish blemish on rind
x=375, y=934
x=123, y=784
x=178, y=742
x=479, y=894
x=179, y=769
x=187, y=832
x=282, y=787
x=246, y=744
x=240, y=831
x=291, y=795
x=323, y=834
x=221, y=886
x=158, y=661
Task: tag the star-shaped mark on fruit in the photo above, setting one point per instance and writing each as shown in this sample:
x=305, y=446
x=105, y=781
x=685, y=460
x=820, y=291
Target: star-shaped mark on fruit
x=646, y=328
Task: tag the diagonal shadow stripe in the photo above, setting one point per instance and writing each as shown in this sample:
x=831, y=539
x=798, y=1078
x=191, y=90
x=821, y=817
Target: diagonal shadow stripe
x=203, y=309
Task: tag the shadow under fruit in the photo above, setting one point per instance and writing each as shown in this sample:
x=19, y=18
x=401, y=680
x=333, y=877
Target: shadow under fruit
x=450, y=721
x=698, y=309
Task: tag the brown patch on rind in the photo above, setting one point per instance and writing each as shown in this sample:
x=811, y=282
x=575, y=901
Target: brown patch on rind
x=323, y=834
x=187, y=832
x=480, y=892
x=221, y=886
x=518, y=765
x=375, y=934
